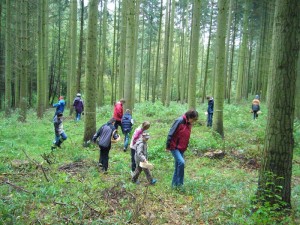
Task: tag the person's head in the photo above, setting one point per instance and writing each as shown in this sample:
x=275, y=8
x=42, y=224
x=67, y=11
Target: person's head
x=112, y=121
x=128, y=111
x=78, y=95
x=256, y=96
x=146, y=125
x=191, y=115
x=208, y=97
x=61, y=97
x=145, y=136
x=122, y=100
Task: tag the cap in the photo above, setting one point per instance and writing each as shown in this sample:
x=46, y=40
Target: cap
x=78, y=95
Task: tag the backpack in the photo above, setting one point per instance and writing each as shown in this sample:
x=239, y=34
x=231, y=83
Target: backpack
x=105, y=137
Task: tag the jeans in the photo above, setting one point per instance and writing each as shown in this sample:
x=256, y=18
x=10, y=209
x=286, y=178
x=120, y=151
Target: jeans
x=133, y=165
x=179, y=168
x=209, y=119
x=78, y=115
x=62, y=135
x=104, y=151
x=126, y=140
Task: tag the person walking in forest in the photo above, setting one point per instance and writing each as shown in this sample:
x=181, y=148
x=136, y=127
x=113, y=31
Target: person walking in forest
x=118, y=112
x=141, y=155
x=78, y=106
x=60, y=105
x=210, y=110
x=255, y=107
x=60, y=135
x=177, y=142
x=135, y=137
x=127, y=123
x=106, y=134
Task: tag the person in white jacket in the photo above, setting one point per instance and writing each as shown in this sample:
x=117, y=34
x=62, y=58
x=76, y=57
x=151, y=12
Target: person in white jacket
x=141, y=155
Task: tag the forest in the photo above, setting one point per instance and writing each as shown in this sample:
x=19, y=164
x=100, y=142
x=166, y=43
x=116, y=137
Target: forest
x=164, y=57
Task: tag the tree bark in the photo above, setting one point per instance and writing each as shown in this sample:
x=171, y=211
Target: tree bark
x=91, y=72
x=276, y=168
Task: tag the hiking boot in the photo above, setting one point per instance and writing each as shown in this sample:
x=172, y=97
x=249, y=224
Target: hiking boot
x=124, y=149
x=53, y=147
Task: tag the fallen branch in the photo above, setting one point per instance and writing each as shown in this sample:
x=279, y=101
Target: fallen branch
x=17, y=187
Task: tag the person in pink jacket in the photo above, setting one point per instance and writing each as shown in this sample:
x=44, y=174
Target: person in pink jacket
x=135, y=137
x=118, y=113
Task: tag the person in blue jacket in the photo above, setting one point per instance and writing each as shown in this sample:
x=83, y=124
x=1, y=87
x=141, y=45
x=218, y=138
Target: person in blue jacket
x=127, y=123
x=210, y=110
x=60, y=106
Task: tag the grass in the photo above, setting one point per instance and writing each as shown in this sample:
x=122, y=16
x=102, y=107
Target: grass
x=71, y=189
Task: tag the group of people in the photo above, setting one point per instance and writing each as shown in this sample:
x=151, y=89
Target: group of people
x=177, y=138
x=60, y=135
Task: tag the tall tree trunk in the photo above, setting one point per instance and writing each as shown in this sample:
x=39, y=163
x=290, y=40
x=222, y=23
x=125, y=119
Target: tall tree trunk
x=220, y=53
x=122, y=49
x=129, y=53
x=8, y=58
x=242, y=54
x=102, y=55
x=166, y=54
x=80, y=52
x=297, y=97
x=170, y=54
x=207, y=54
x=157, y=63
x=230, y=13
x=276, y=169
x=91, y=72
x=194, y=48
x=72, y=54
x=24, y=63
x=232, y=54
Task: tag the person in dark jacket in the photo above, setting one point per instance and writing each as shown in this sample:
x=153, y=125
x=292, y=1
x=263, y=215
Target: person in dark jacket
x=255, y=106
x=78, y=106
x=60, y=135
x=105, y=134
x=127, y=123
x=210, y=110
x=60, y=105
x=177, y=142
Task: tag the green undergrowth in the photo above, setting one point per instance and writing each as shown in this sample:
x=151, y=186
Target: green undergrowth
x=69, y=189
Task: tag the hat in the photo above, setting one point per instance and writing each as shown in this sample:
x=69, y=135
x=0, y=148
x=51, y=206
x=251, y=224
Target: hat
x=78, y=95
x=146, y=135
x=61, y=97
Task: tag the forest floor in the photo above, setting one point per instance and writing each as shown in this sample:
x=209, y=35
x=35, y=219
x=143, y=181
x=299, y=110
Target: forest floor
x=64, y=186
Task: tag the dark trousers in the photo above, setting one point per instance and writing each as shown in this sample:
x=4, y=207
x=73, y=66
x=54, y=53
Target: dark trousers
x=133, y=165
x=209, y=119
x=117, y=124
x=255, y=115
x=104, y=151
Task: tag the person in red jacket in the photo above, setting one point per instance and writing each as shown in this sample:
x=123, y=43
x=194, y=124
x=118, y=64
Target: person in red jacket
x=177, y=142
x=118, y=113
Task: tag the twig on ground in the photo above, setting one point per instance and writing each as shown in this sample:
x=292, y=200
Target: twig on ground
x=17, y=187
